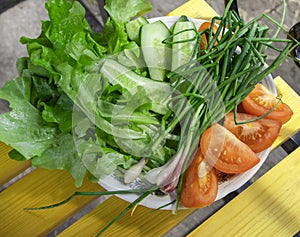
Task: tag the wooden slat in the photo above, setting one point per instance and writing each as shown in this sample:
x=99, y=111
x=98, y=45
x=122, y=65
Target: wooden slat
x=290, y=97
x=43, y=187
x=142, y=222
x=163, y=220
x=9, y=168
x=195, y=9
x=93, y=222
x=35, y=189
x=270, y=207
x=158, y=222
x=40, y=187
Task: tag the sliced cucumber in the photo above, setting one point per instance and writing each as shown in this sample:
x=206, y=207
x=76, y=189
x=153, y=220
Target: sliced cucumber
x=181, y=18
x=159, y=92
x=133, y=28
x=157, y=55
x=184, y=43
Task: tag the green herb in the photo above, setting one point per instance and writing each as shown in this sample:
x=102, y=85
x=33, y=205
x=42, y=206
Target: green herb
x=78, y=105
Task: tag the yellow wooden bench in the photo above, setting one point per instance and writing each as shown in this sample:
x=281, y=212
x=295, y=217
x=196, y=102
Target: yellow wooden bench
x=264, y=207
x=269, y=207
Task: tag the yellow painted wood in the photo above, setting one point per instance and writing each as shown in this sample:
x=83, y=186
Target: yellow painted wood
x=142, y=222
x=196, y=9
x=290, y=97
x=269, y=207
x=43, y=187
x=39, y=188
x=9, y=168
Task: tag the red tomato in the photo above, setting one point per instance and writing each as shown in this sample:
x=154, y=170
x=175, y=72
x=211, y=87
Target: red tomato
x=204, y=26
x=258, y=135
x=225, y=151
x=200, y=184
x=260, y=101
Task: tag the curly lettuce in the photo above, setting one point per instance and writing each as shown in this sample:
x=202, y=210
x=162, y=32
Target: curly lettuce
x=42, y=99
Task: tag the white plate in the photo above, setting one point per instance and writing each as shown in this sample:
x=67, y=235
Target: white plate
x=112, y=182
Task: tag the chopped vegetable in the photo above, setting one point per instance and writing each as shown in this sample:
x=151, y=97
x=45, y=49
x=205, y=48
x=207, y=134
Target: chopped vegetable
x=95, y=104
x=183, y=43
x=133, y=28
x=203, y=29
x=258, y=134
x=134, y=171
x=122, y=105
x=156, y=54
x=200, y=184
x=53, y=100
x=224, y=151
x=261, y=102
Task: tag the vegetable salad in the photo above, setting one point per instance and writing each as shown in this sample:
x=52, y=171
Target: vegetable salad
x=134, y=98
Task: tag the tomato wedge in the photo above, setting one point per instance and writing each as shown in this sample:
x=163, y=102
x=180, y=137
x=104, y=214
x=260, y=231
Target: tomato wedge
x=204, y=26
x=226, y=152
x=200, y=184
x=258, y=135
x=260, y=101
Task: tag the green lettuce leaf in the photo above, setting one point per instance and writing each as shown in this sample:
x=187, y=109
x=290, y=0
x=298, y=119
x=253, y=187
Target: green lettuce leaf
x=66, y=20
x=113, y=36
x=60, y=113
x=23, y=127
x=62, y=155
x=123, y=11
x=61, y=76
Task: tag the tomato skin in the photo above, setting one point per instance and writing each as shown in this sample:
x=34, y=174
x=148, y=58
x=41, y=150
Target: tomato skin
x=260, y=101
x=224, y=151
x=258, y=135
x=198, y=191
x=204, y=26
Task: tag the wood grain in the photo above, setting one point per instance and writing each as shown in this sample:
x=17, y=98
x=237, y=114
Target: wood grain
x=290, y=97
x=269, y=207
x=9, y=168
x=196, y=9
x=39, y=188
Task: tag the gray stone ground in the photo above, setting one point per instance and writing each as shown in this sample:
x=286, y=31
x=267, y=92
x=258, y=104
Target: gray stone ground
x=24, y=19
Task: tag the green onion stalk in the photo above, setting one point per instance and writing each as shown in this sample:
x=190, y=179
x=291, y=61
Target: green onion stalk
x=220, y=77
x=211, y=85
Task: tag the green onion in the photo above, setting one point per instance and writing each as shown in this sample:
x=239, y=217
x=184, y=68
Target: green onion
x=210, y=86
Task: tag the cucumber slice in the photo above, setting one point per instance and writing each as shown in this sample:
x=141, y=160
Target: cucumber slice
x=133, y=28
x=181, y=18
x=184, y=43
x=157, y=55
